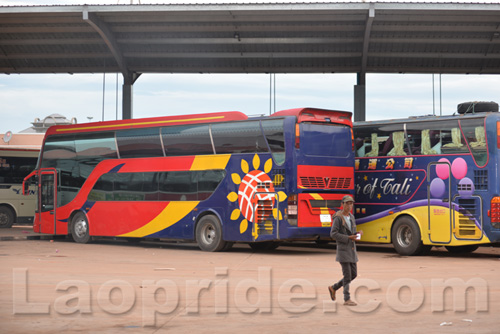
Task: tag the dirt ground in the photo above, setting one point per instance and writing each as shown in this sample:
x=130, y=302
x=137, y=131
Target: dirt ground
x=110, y=286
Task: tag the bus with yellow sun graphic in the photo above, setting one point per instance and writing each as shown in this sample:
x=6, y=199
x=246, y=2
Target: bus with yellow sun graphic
x=430, y=181
x=216, y=178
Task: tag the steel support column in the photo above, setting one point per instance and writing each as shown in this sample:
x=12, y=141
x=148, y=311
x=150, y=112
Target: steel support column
x=360, y=98
x=360, y=87
x=127, y=95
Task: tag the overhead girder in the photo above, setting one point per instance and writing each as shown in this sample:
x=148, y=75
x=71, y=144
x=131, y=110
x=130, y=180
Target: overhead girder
x=128, y=77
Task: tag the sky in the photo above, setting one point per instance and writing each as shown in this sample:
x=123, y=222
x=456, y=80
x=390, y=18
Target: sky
x=25, y=97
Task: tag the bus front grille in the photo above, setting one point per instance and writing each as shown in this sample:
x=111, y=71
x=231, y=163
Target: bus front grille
x=264, y=217
x=325, y=182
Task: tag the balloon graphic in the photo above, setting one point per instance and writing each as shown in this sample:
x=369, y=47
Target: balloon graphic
x=437, y=188
x=443, y=170
x=459, y=168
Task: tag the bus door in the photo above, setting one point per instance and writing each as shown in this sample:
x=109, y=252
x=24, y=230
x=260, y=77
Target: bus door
x=266, y=207
x=47, y=200
x=440, y=219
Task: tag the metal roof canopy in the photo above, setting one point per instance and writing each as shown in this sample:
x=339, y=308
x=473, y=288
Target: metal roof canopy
x=252, y=38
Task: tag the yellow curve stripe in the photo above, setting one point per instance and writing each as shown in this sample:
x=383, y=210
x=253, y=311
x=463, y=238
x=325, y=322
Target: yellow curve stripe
x=205, y=162
x=175, y=211
x=140, y=123
x=172, y=213
x=324, y=211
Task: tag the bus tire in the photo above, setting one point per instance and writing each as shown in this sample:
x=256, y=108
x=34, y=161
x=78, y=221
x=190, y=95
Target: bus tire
x=80, y=228
x=209, y=234
x=7, y=217
x=228, y=246
x=470, y=107
x=406, y=237
x=462, y=249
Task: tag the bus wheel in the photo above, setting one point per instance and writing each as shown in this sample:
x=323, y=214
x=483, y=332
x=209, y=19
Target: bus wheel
x=462, y=249
x=406, y=237
x=80, y=228
x=228, y=246
x=209, y=234
x=7, y=217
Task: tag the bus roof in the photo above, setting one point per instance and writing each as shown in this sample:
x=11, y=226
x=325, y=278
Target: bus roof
x=317, y=115
x=148, y=122
x=426, y=118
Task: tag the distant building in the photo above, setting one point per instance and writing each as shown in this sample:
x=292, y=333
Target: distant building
x=31, y=138
x=20, y=142
x=41, y=126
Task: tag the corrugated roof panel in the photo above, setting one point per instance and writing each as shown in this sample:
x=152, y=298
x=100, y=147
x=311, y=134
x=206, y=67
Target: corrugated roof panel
x=305, y=37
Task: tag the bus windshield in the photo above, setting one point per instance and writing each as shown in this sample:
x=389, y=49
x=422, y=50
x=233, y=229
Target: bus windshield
x=336, y=137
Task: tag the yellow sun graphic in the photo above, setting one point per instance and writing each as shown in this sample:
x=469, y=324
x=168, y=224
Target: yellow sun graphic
x=255, y=187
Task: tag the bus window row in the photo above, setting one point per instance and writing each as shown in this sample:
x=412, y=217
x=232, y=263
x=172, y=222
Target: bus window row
x=219, y=138
x=422, y=138
x=157, y=186
x=14, y=169
x=76, y=155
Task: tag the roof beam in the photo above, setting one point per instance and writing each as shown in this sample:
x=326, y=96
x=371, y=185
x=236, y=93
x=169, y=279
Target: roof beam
x=242, y=27
x=232, y=40
x=108, y=37
x=256, y=69
x=436, y=55
x=436, y=40
x=257, y=55
x=227, y=55
x=53, y=41
x=60, y=55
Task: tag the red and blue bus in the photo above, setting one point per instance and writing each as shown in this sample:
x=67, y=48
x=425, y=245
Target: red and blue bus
x=215, y=178
x=430, y=181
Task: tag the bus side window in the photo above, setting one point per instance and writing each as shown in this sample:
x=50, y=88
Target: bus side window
x=456, y=139
x=480, y=138
x=475, y=136
x=360, y=146
x=242, y=137
x=374, y=146
x=187, y=140
x=398, y=139
x=426, y=143
x=435, y=137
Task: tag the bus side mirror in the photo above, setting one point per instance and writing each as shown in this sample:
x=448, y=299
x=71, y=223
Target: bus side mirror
x=27, y=183
x=26, y=186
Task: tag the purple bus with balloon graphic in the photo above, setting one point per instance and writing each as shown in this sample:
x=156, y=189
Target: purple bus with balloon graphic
x=430, y=181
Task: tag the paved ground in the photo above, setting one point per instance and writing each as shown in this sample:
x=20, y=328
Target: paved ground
x=112, y=286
